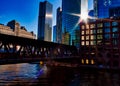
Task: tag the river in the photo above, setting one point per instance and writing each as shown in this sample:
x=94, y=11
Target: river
x=34, y=74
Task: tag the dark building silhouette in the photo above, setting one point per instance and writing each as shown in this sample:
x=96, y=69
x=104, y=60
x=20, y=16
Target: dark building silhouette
x=59, y=25
x=45, y=21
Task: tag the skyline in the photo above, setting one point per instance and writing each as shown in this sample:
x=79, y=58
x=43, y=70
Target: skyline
x=26, y=12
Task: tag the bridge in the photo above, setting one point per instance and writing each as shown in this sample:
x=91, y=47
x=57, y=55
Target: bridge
x=18, y=49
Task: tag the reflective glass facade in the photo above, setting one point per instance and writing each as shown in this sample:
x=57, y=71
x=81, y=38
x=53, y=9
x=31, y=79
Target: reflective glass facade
x=102, y=7
x=54, y=33
x=69, y=21
x=45, y=21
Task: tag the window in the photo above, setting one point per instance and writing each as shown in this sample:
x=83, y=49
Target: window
x=99, y=36
x=114, y=29
x=87, y=42
x=83, y=38
x=83, y=32
x=91, y=37
x=92, y=62
x=87, y=37
x=83, y=27
x=91, y=42
x=107, y=24
x=114, y=23
x=99, y=31
x=87, y=31
x=100, y=25
x=87, y=61
x=82, y=61
x=107, y=30
x=92, y=26
x=87, y=26
x=83, y=43
x=107, y=36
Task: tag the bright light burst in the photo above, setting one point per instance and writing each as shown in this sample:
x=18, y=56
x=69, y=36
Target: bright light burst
x=83, y=17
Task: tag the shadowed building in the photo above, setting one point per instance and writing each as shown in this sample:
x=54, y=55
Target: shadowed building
x=45, y=21
x=100, y=42
x=59, y=25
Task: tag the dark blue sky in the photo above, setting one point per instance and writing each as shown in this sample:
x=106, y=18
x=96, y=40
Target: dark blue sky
x=25, y=12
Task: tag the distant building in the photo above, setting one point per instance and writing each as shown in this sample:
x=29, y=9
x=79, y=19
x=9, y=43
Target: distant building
x=14, y=28
x=100, y=43
x=69, y=20
x=66, y=38
x=54, y=33
x=45, y=21
x=59, y=25
x=106, y=8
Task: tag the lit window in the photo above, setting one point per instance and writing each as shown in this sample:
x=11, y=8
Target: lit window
x=87, y=31
x=83, y=38
x=83, y=33
x=87, y=61
x=92, y=61
x=83, y=27
x=91, y=31
x=82, y=61
x=87, y=26
x=87, y=37
x=83, y=43
x=92, y=37
x=91, y=43
x=87, y=42
x=92, y=26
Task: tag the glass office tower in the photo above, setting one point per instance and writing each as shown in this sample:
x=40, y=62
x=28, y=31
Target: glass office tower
x=70, y=21
x=45, y=21
x=102, y=8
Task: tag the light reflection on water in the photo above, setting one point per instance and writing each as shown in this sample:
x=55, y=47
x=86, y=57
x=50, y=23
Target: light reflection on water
x=18, y=72
x=27, y=74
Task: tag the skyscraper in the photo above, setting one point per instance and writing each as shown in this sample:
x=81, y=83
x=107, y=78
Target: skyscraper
x=45, y=21
x=59, y=25
x=102, y=8
x=69, y=20
x=54, y=33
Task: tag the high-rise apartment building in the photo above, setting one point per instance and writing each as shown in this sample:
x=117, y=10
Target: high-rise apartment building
x=45, y=21
x=59, y=25
x=106, y=8
x=69, y=19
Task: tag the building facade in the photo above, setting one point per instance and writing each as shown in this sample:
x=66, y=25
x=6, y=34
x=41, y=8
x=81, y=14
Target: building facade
x=102, y=8
x=54, y=33
x=69, y=20
x=14, y=28
x=45, y=21
x=59, y=25
x=100, y=43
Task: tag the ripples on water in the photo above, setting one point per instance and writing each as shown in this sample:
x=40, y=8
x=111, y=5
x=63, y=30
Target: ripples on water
x=34, y=74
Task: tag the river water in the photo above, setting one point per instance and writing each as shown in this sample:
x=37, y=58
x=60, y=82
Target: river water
x=29, y=74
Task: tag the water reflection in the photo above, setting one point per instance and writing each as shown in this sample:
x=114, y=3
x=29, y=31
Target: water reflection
x=35, y=74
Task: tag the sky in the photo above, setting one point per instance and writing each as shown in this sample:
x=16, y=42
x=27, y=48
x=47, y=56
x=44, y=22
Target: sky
x=26, y=12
